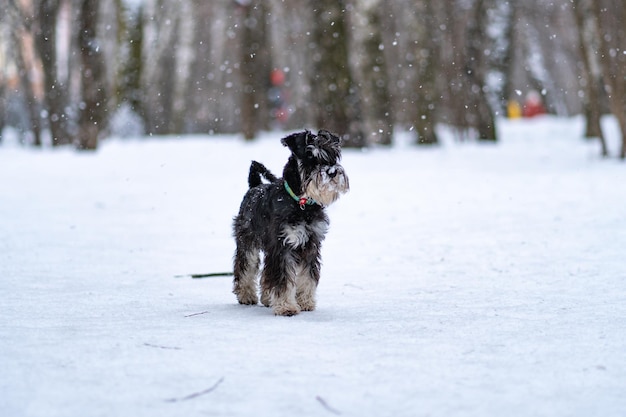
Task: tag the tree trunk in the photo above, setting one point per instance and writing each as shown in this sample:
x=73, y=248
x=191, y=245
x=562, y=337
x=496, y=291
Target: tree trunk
x=2, y=106
x=249, y=51
x=254, y=70
x=426, y=61
x=371, y=70
x=31, y=101
x=199, y=83
x=476, y=70
x=161, y=24
x=45, y=42
x=465, y=68
x=610, y=15
x=93, y=78
x=507, y=61
x=335, y=95
x=591, y=73
x=128, y=88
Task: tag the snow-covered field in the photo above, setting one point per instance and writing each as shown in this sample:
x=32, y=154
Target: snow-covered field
x=461, y=280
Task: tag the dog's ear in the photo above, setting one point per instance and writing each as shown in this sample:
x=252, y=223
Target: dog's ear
x=329, y=136
x=297, y=142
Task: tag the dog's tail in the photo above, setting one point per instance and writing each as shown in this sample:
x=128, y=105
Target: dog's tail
x=258, y=170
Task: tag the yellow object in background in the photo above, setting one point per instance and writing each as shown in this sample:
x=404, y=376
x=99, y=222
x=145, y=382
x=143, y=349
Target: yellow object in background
x=513, y=109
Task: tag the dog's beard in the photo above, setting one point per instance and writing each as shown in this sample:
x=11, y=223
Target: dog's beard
x=326, y=184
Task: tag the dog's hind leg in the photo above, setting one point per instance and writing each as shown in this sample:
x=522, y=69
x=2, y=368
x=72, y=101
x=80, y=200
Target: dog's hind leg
x=246, y=270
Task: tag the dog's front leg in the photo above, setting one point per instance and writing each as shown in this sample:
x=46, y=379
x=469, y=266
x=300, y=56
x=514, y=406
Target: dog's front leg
x=279, y=280
x=284, y=300
x=308, y=278
x=309, y=271
x=305, y=292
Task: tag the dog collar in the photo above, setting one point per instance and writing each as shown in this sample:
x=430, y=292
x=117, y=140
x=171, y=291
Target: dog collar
x=302, y=201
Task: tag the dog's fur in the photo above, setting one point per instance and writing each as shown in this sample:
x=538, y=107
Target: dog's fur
x=288, y=229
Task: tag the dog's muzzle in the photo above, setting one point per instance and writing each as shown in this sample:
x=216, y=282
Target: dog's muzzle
x=327, y=184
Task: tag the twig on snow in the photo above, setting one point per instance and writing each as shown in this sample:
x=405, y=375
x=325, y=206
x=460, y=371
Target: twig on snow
x=197, y=314
x=326, y=406
x=162, y=347
x=196, y=394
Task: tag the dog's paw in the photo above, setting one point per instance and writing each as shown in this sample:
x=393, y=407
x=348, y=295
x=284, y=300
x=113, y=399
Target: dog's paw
x=247, y=299
x=306, y=303
x=266, y=298
x=307, y=306
x=286, y=310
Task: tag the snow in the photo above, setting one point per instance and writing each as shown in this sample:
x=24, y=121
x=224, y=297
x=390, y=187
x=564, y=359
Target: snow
x=460, y=280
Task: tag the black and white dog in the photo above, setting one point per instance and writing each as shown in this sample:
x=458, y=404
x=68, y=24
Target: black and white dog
x=285, y=219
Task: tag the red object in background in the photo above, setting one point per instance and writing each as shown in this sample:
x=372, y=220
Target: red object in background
x=533, y=106
x=277, y=77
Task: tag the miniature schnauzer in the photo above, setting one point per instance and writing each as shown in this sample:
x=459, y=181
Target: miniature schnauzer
x=285, y=220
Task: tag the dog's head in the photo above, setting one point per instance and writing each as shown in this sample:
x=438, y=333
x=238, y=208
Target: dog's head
x=322, y=178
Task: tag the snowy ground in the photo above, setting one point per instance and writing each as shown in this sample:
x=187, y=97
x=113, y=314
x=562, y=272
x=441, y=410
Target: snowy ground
x=462, y=280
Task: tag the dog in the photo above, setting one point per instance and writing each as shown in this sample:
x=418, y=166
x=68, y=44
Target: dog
x=285, y=219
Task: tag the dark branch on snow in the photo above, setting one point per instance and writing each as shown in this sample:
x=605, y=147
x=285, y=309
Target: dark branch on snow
x=196, y=394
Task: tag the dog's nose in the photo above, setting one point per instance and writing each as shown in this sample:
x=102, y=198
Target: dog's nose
x=332, y=171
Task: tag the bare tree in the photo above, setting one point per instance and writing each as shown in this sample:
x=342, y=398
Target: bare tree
x=466, y=66
x=21, y=37
x=213, y=71
x=426, y=60
x=93, y=106
x=54, y=88
x=254, y=68
x=591, y=72
x=357, y=67
x=610, y=15
x=476, y=68
x=2, y=105
x=335, y=94
x=130, y=67
x=162, y=21
x=39, y=18
x=213, y=101
x=505, y=45
x=371, y=71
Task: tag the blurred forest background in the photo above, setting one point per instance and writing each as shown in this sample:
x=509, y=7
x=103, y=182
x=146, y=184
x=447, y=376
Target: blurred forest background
x=77, y=71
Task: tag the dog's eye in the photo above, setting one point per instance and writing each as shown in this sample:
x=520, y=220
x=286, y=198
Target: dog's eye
x=309, y=154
